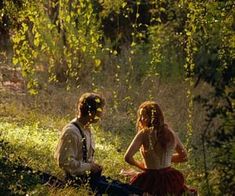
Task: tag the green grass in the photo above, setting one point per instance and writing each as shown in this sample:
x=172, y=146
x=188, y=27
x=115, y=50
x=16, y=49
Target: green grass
x=31, y=126
x=31, y=142
x=35, y=146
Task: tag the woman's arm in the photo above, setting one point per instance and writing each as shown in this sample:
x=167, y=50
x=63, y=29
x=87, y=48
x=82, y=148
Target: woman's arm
x=181, y=154
x=132, y=149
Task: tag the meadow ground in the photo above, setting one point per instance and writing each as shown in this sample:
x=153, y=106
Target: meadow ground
x=30, y=127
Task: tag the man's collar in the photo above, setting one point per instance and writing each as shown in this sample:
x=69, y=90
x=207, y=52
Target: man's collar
x=84, y=127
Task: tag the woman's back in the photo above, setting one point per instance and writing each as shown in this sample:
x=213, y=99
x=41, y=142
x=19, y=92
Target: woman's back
x=155, y=154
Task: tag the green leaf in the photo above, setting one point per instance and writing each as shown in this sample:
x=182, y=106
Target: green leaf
x=68, y=19
x=15, y=60
x=36, y=42
x=188, y=33
x=97, y=62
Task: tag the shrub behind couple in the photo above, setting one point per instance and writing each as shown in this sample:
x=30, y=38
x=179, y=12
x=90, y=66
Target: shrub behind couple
x=158, y=144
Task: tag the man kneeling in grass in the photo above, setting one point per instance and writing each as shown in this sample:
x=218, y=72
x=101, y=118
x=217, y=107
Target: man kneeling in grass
x=75, y=150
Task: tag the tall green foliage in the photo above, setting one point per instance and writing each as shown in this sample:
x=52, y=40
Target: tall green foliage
x=212, y=54
x=63, y=43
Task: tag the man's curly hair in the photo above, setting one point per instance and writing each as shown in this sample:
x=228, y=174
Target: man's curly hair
x=89, y=103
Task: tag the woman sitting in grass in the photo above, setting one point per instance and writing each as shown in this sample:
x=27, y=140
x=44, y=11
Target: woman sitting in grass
x=157, y=144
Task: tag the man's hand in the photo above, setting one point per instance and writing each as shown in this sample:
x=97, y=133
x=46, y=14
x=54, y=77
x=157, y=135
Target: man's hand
x=95, y=168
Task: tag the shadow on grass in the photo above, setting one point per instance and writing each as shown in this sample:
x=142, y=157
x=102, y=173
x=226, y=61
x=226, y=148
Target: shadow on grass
x=18, y=179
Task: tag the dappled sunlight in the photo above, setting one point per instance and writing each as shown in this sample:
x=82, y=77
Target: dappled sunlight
x=29, y=135
x=104, y=147
x=177, y=53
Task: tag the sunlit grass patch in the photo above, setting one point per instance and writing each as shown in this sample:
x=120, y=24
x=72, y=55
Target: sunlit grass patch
x=35, y=147
x=31, y=143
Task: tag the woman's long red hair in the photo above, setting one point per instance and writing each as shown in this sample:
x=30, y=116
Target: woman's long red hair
x=152, y=112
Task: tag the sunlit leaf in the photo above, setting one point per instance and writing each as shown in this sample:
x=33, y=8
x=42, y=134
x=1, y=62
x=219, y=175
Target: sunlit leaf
x=97, y=62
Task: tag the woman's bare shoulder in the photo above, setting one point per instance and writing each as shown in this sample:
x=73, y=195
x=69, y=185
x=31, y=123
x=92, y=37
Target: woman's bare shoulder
x=171, y=133
x=169, y=129
x=143, y=133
